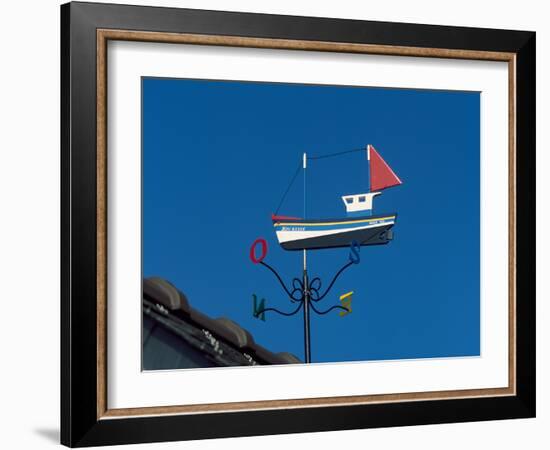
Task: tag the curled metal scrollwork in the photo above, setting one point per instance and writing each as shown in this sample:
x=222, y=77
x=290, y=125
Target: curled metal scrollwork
x=297, y=287
x=298, y=290
x=314, y=288
x=283, y=313
x=329, y=310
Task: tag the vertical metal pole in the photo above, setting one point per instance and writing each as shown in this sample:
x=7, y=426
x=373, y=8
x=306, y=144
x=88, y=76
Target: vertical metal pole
x=307, y=341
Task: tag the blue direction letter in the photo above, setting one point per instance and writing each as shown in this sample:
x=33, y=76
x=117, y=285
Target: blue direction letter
x=354, y=250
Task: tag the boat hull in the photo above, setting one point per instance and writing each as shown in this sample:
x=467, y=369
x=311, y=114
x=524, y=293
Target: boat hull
x=333, y=233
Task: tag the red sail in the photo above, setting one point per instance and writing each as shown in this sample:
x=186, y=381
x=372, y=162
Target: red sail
x=381, y=175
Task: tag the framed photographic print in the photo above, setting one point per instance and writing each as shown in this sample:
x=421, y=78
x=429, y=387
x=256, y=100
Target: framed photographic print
x=276, y=224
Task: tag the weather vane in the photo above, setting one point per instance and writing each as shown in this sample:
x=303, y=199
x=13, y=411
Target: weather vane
x=359, y=228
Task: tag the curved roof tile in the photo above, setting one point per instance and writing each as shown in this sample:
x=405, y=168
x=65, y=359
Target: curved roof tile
x=161, y=291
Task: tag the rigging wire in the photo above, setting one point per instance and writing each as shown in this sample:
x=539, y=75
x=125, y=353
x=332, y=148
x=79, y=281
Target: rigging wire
x=288, y=187
x=328, y=155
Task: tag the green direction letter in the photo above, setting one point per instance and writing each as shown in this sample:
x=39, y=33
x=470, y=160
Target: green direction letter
x=258, y=311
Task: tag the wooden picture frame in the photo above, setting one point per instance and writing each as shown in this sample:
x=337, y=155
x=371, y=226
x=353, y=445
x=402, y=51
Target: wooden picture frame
x=86, y=418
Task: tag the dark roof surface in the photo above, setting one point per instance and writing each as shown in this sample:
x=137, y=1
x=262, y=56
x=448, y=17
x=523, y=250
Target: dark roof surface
x=189, y=338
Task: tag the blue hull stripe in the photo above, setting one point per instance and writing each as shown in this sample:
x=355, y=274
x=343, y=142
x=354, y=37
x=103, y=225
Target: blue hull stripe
x=332, y=226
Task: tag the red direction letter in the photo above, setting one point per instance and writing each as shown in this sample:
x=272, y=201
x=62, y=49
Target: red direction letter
x=253, y=257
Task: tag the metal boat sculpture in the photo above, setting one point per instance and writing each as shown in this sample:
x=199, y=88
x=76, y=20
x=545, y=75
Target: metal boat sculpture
x=360, y=225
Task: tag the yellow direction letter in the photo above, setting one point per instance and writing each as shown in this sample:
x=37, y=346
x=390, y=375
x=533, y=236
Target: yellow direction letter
x=346, y=303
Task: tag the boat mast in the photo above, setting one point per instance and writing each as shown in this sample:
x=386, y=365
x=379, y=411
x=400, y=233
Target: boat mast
x=368, y=168
x=304, y=165
x=307, y=342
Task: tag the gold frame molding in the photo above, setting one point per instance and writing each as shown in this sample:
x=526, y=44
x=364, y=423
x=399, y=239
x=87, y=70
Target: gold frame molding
x=103, y=36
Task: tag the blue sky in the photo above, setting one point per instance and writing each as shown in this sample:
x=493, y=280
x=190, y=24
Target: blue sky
x=217, y=157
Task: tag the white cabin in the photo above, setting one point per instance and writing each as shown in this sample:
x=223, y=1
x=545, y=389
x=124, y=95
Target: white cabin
x=359, y=204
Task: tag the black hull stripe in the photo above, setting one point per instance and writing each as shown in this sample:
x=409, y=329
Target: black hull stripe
x=368, y=236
